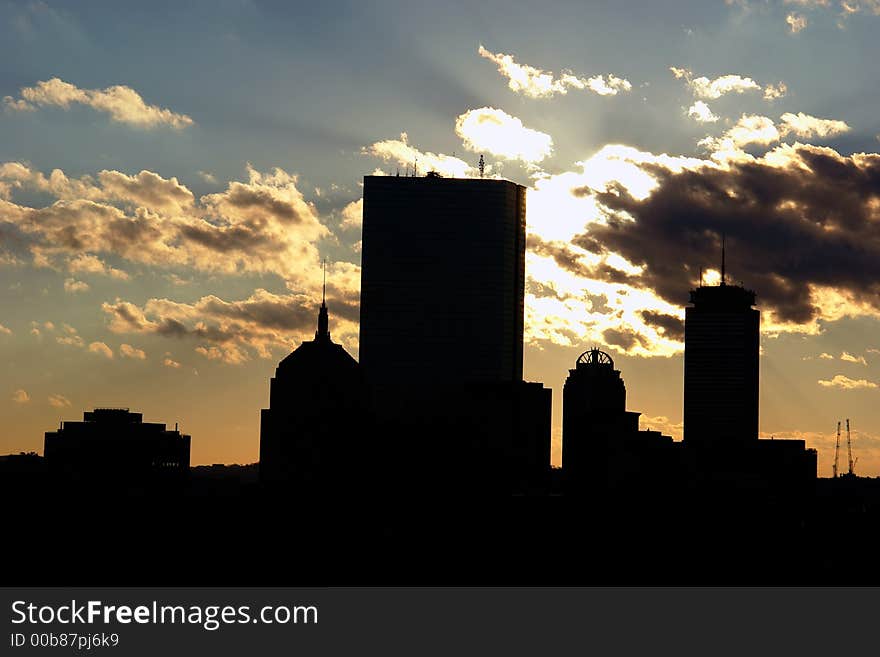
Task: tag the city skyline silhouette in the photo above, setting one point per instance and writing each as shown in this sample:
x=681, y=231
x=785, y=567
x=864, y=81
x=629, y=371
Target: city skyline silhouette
x=707, y=389
x=164, y=211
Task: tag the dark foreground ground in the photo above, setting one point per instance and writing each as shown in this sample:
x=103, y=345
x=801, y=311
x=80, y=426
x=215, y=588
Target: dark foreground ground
x=219, y=529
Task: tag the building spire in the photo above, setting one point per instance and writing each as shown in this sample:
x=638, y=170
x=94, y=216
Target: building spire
x=323, y=332
x=723, y=274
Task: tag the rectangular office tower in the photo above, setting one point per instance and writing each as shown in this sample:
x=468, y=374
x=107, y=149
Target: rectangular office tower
x=721, y=345
x=442, y=280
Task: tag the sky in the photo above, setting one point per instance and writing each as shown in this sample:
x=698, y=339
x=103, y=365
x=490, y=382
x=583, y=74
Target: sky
x=172, y=176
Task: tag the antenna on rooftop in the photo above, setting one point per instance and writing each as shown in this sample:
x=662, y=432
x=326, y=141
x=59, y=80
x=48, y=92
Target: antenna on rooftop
x=482, y=166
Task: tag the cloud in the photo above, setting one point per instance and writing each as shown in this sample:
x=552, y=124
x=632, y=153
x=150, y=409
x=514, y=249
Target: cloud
x=59, y=401
x=846, y=383
x=148, y=190
x=701, y=112
x=756, y=129
x=671, y=326
x=70, y=337
x=229, y=354
x=208, y=177
x=799, y=221
x=849, y=358
x=535, y=83
x=232, y=330
x=774, y=91
x=826, y=356
x=711, y=89
x=663, y=424
x=850, y=7
x=73, y=286
x=90, y=264
x=4, y=330
x=261, y=225
x=171, y=363
x=123, y=104
x=20, y=396
x=749, y=129
x=353, y=215
x=497, y=132
x=407, y=157
x=806, y=126
x=101, y=349
x=127, y=351
x=796, y=22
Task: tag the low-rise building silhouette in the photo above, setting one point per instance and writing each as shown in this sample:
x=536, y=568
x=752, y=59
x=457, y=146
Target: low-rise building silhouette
x=116, y=443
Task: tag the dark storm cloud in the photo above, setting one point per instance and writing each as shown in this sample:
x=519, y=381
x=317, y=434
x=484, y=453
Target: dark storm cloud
x=571, y=261
x=811, y=217
x=672, y=327
x=623, y=338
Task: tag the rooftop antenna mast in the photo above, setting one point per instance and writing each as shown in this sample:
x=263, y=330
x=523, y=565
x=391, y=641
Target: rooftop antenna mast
x=482, y=166
x=837, y=451
x=324, y=285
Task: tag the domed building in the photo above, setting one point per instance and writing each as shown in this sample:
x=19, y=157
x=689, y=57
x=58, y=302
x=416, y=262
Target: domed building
x=602, y=447
x=313, y=433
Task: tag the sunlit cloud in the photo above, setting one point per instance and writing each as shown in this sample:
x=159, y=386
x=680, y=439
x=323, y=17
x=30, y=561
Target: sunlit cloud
x=21, y=396
x=536, y=83
x=90, y=264
x=173, y=364
x=58, y=401
x=749, y=129
x=73, y=286
x=127, y=351
x=353, y=215
x=701, y=112
x=662, y=424
x=796, y=22
x=846, y=383
x=101, y=349
x=70, y=340
x=806, y=126
x=230, y=331
x=497, y=132
x=711, y=89
x=5, y=330
x=122, y=103
x=261, y=225
x=406, y=157
x=775, y=91
x=849, y=358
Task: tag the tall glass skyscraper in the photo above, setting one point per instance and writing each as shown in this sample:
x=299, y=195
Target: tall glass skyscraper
x=721, y=347
x=442, y=280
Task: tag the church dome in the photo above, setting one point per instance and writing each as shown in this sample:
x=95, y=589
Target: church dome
x=316, y=357
x=320, y=357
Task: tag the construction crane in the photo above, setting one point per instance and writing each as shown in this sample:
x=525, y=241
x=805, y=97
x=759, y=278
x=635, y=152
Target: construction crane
x=837, y=450
x=852, y=464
